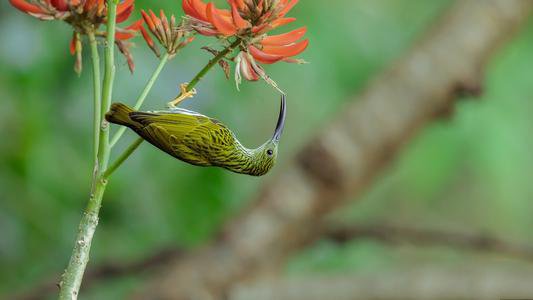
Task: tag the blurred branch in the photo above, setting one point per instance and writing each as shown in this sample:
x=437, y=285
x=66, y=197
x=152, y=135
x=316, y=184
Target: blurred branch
x=348, y=153
x=337, y=233
x=468, y=282
x=107, y=270
x=429, y=237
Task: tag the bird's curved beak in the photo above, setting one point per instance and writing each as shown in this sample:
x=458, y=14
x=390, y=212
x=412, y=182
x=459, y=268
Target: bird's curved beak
x=281, y=120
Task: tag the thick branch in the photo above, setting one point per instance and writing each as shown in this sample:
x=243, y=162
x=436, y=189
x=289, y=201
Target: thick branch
x=341, y=234
x=414, y=283
x=430, y=237
x=344, y=158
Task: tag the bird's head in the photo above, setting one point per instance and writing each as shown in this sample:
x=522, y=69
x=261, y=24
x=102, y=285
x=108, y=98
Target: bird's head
x=265, y=156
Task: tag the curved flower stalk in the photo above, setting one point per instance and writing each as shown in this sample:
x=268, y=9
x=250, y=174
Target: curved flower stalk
x=169, y=35
x=85, y=16
x=250, y=21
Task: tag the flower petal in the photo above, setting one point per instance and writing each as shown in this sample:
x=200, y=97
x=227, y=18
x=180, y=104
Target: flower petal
x=60, y=5
x=124, y=14
x=124, y=6
x=239, y=22
x=263, y=57
x=147, y=38
x=284, y=39
x=287, y=8
x=247, y=70
x=128, y=32
x=288, y=50
x=148, y=20
x=206, y=31
x=72, y=47
x=280, y=22
x=26, y=7
x=274, y=24
x=240, y=4
x=221, y=24
x=189, y=9
x=89, y=5
x=201, y=9
x=149, y=41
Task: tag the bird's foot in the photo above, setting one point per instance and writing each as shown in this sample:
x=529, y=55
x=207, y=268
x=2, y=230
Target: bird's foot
x=184, y=94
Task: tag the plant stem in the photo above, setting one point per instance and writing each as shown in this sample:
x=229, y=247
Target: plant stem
x=122, y=158
x=97, y=91
x=73, y=275
x=142, y=97
x=190, y=86
x=211, y=63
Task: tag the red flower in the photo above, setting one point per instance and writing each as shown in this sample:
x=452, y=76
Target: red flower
x=250, y=20
x=170, y=36
x=84, y=16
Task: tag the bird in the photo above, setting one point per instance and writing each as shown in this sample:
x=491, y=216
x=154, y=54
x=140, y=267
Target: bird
x=198, y=139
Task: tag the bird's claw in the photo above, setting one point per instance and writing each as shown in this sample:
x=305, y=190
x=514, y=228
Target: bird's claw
x=184, y=94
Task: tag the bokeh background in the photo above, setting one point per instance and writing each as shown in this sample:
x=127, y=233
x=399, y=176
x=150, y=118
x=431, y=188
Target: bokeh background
x=471, y=172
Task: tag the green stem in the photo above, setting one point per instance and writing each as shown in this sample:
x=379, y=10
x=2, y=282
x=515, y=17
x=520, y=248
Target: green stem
x=122, y=158
x=190, y=86
x=212, y=63
x=97, y=91
x=143, y=95
x=73, y=275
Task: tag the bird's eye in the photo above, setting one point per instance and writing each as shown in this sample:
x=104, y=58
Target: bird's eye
x=270, y=152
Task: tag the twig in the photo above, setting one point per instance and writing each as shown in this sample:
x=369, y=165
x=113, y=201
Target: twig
x=162, y=62
x=348, y=153
x=97, y=91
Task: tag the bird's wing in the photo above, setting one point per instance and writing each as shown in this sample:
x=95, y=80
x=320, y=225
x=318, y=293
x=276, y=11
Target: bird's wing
x=190, y=136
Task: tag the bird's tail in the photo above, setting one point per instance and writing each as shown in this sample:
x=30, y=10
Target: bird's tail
x=119, y=114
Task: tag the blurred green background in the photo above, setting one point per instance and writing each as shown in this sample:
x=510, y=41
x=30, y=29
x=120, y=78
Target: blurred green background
x=471, y=172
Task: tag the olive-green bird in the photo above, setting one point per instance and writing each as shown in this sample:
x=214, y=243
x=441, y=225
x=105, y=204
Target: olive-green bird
x=198, y=139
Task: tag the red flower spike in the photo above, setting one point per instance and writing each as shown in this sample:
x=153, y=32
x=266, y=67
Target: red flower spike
x=248, y=21
x=167, y=33
x=284, y=39
x=84, y=16
x=288, y=50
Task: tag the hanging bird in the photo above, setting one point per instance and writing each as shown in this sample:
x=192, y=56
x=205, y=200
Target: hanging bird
x=198, y=139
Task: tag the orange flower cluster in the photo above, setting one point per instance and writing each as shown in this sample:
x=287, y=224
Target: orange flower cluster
x=170, y=36
x=84, y=16
x=250, y=21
